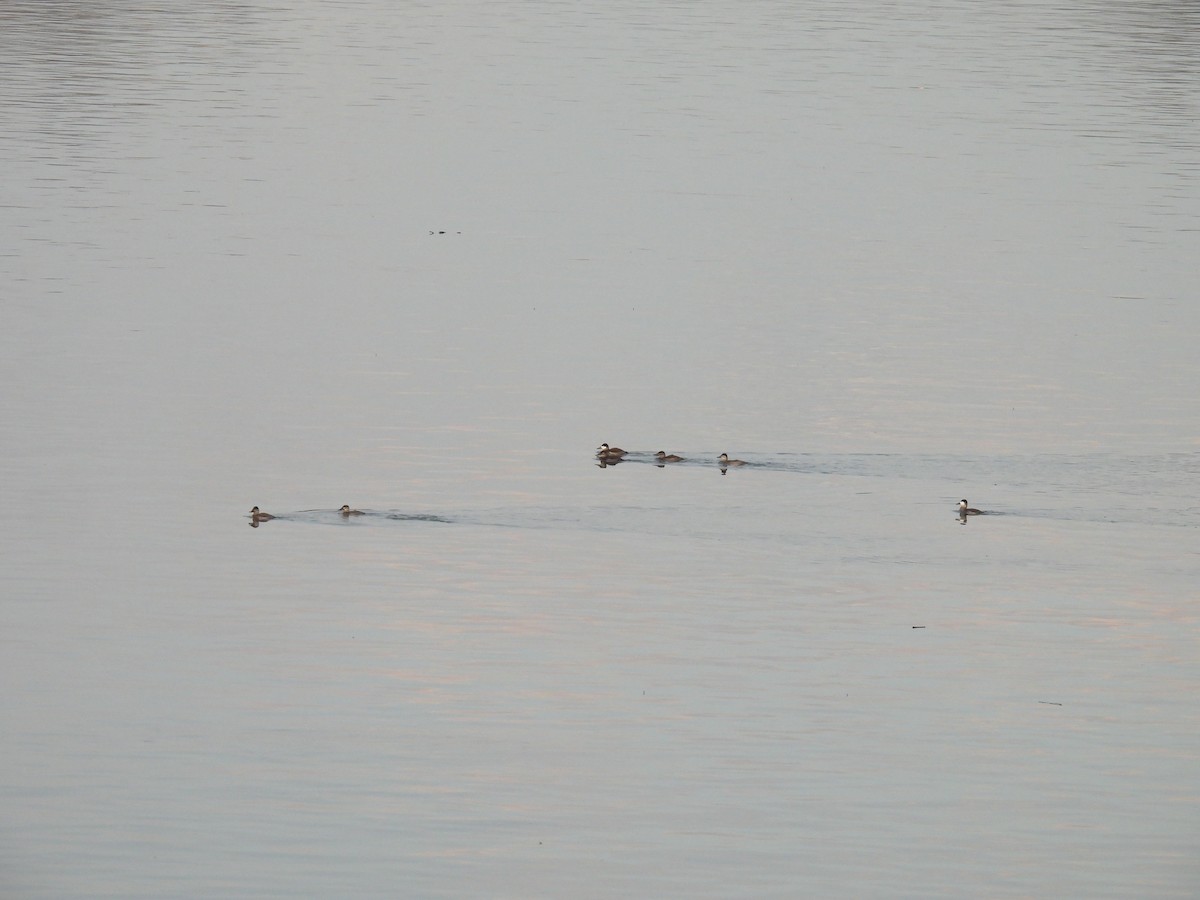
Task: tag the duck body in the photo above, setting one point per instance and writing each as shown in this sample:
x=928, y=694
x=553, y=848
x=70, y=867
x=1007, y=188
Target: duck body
x=663, y=456
x=964, y=510
x=259, y=516
x=606, y=452
x=725, y=461
x=346, y=511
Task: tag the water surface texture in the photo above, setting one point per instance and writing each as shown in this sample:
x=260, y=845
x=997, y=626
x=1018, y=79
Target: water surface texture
x=422, y=259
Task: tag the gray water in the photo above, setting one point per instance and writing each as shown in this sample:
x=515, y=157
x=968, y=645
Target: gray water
x=422, y=259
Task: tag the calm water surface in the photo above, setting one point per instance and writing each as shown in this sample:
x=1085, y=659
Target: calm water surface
x=422, y=259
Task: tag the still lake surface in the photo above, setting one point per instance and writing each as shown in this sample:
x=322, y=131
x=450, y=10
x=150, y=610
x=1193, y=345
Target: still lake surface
x=422, y=259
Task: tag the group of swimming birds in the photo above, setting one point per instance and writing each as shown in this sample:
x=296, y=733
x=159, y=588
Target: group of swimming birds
x=257, y=515
x=607, y=456
x=611, y=455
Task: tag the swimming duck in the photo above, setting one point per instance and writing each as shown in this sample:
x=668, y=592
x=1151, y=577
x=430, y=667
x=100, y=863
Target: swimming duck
x=606, y=452
x=259, y=516
x=347, y=511
x=964, y=510
x=663, y=456
x=725, y=461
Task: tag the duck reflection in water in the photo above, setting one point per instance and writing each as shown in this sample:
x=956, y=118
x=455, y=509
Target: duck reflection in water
x=605, y=462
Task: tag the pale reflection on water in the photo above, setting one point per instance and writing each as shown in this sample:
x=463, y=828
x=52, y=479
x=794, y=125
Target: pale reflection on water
x=420, y=260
